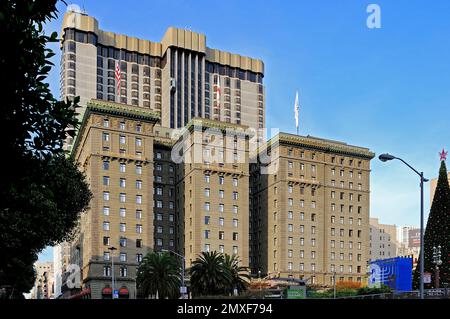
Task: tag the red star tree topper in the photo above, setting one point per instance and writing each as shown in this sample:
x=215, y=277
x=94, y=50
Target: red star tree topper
x=443, y=155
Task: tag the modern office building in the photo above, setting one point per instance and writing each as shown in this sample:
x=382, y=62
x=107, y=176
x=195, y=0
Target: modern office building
x=180, y=77
x=310, y=209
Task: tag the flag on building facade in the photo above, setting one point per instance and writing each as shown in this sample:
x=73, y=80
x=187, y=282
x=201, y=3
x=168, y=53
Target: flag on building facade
x=218, y=90
x=118, y=78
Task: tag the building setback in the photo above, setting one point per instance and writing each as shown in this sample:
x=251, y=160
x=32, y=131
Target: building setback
x=177, y=77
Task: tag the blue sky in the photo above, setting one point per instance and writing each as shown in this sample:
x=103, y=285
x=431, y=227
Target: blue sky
x=386, y=89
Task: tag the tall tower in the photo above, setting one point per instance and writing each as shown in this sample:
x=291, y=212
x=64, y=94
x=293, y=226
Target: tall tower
x=177, y=77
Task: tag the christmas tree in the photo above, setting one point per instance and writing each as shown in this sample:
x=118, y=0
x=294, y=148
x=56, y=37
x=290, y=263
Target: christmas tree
x=437, y=231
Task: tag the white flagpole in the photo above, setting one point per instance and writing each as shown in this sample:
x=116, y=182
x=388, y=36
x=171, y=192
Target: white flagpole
x=296, y=110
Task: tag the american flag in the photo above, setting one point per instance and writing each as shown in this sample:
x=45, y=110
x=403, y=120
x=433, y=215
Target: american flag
x=218, y=90
x=118, y=78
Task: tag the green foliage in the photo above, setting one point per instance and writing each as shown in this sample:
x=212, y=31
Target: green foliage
x=347, y=292
x=437, y=232
x=238, y=275
x=159, y=272
x=35, y=122
x=320, y=294
x=373, y=290
x=213, y=273
x=17, y=275
x=42, y=192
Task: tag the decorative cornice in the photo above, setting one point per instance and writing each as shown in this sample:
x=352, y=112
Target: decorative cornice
x=200, y=124
x=116, y=109
x=163, y=142
x=321, y=145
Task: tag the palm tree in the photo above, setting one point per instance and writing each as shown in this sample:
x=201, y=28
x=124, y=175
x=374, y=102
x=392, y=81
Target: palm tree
x=237, y=275
x=207, y=274
x=159, y=274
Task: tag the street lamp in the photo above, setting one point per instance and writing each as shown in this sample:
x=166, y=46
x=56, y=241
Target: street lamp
x=112, y=248
x=182, y=288
x=388, y=157
x=437, y=261
x=334, y=284
x=260, y=283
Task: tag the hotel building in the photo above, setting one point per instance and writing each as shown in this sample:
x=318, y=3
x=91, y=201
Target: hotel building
x=310, y=210
x=169, y=163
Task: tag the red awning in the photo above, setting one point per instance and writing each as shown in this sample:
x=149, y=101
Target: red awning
x=123, y=291
x=107, y=291
x=84, y=292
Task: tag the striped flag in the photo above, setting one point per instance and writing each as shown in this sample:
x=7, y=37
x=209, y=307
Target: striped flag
x=118, y=79
x=218, y=90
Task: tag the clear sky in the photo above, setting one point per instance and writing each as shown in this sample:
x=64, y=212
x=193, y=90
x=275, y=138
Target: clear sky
x=386, y=89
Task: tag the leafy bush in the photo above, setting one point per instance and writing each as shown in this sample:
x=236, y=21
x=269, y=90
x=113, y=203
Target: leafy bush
x=372, y=290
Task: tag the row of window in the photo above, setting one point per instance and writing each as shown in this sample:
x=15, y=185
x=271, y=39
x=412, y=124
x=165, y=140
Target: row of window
x=160, y=191
x=122, y=197
x=207, y=179
x=342, y=196
x=123, y=139
x=122, y=125
x=333, y=159
x=221, y=236
x=342, y=232
x=207, y=192
x=122, y=257
x=123, y=271
x=160, y=204
x=128, y=56
x=342, y=244
x=122, y=212
x=122, y=167
x=207, y=248
x=342, y=208
x=233, y=72
x=221, y=221
x=123, y=242
x=221, y=208
x=290, y=241
x=160, y=230
x=122, y=182
x=159, y=179
x=122, y=227
x=159, y=168
x=314, y=170
x=342, y=220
